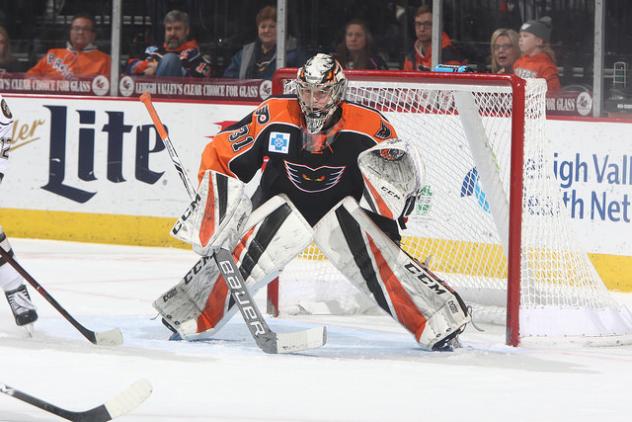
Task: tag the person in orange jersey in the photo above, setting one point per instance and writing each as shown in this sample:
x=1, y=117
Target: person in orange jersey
x=345, y=181
x=178, y=56
x=80, y=58
x=538, y=58
x=420, y=56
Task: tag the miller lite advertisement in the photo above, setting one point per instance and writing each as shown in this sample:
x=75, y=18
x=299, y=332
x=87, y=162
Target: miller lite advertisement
x=96, y=155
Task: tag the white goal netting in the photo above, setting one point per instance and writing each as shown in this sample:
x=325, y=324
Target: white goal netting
x=461, y=226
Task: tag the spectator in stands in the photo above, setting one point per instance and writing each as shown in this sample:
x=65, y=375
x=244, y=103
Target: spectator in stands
x=420, y=56
x=178, y=56
x=357, y=49
x=80, y=58
x=504, y=50
x=538, y=59
x=7, y=61
x=257, y=60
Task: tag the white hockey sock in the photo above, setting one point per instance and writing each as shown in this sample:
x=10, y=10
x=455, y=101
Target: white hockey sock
x=9, y=277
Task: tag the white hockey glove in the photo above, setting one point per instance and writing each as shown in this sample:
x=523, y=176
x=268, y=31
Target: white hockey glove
x=6, y=126
x=216, y=217
x=393, y=173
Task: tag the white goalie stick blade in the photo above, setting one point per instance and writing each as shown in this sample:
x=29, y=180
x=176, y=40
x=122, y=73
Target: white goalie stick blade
x=121, y=404
x=301, y=340
x=266, y=339
x=113, y=337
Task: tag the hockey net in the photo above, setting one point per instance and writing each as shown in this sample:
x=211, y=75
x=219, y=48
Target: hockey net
x=501, y=238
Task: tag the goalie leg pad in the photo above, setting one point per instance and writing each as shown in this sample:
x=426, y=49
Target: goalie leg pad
x=217, y=215
x=416, y=298
x=277, y=233
x=184, y=303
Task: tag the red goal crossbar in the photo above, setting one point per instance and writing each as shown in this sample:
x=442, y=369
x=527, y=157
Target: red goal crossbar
x=517, y=162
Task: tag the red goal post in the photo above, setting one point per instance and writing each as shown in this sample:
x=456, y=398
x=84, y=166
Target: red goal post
x=487, y=111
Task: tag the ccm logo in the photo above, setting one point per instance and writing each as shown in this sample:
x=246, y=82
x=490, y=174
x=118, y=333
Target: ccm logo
x=187, y=213
x=196, y=269
x=389, y=192
x=171, y=293
x=422, y=276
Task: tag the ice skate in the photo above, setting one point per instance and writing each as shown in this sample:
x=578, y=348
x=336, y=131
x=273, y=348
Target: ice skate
x=23, y=309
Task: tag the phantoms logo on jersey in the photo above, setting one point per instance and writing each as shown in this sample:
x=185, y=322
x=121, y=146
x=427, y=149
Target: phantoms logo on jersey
x=312, y=180
x=279, y=142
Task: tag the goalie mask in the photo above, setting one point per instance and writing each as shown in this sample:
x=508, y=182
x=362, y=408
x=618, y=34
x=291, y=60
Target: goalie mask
x=320, y=87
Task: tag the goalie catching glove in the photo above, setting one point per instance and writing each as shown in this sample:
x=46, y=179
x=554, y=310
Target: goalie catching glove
x=393, y=173
x=216, y=217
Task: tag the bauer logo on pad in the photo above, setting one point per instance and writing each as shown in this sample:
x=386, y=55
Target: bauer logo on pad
x=279, y=142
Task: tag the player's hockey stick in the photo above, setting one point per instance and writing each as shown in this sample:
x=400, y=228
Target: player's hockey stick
x=112, y=337
x=266, y=339
x=162, y=132
x=122, y=403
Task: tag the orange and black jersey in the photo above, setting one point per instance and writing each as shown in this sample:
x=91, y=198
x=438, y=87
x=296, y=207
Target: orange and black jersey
x=314, y=182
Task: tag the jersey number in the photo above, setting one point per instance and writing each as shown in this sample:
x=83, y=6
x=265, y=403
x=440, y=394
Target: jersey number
x=239, y=145
x=5, y=146
x=238, y=133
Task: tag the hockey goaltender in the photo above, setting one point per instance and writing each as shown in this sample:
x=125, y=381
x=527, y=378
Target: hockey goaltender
x=336, y=175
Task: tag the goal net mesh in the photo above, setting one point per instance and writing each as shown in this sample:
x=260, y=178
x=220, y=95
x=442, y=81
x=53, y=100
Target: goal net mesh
x=460, y=223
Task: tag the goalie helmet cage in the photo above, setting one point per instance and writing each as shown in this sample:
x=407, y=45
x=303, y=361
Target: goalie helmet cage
x=490, y=219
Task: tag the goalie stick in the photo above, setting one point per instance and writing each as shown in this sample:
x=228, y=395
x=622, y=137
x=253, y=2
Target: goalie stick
x=266, y=339
x=119, y=405
x=112, y=337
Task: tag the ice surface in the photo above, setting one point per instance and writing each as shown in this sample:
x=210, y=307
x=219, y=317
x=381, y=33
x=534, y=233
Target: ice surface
x=370, y=370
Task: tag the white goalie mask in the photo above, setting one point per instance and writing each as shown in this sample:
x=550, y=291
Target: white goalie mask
x=320, y=87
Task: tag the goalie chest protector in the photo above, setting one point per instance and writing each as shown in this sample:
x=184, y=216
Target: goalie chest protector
x=313, y=181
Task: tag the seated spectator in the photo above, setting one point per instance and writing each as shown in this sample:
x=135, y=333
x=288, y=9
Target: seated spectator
x=504, y=50
x=80, y=58
x=357, y=49
x=7, y=61
x=178, y=56
x=420, y=56
x=538, y=59
x=257, y=60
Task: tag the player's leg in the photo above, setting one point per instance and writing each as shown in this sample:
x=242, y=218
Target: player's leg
x=14, y=288
x=201, y=303
x=420, y=301
x=215, y=218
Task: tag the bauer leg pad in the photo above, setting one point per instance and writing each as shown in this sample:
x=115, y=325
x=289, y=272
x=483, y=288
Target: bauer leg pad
x=412, y=295
x=216, y=217
x=201, y=302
